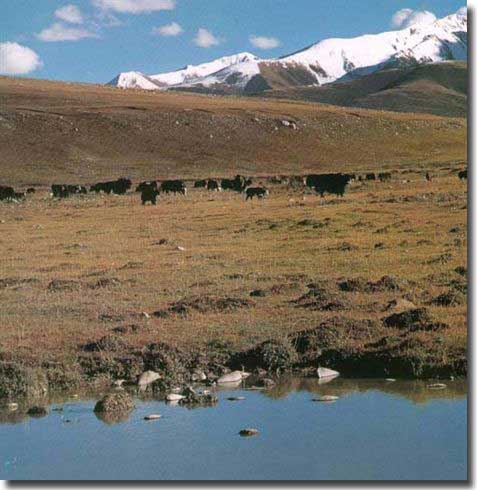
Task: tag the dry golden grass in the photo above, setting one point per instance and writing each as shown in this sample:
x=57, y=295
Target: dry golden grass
x=231, y=248
x=75, y=133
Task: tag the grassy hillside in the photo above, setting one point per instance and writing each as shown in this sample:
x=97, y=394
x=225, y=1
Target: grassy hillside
x=51, y=131
x=439, y=88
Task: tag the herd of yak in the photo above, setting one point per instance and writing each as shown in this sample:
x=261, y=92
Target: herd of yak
x=334, y=183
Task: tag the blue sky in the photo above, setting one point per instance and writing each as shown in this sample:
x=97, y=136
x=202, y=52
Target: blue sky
x=106, y=37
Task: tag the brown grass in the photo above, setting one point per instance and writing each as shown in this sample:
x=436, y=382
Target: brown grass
x=107, y=251
x=75, y=133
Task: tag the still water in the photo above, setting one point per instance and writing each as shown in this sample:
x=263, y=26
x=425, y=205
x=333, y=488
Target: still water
x=375, y=430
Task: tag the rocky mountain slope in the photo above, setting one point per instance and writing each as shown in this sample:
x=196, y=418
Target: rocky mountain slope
x=434, y=88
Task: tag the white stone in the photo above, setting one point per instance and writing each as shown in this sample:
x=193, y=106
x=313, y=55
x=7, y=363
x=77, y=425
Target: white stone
x=323, y=372
x=153, y=416
x=147, y=378
x=174, y=397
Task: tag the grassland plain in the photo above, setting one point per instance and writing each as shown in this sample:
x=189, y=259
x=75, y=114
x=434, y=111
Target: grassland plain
x=99, y=287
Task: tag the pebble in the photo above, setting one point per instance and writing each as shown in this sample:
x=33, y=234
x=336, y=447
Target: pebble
x=153, y=416
x=437, y=386
x=326, y=398
x=248, y=432
x=323, y=372
x=174, y=397
x=37, y=411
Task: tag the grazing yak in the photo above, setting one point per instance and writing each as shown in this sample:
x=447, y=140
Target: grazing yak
x=237, y=184
x=462, y=174
x=175, y=186
x=331, y=183
x=119, y=186
x=370, y=176
x=213, y=185
x=258, y=192
x=31, y=190
x=149, y=194
x=66, y=190
x=384, y=176
x=6, y=192
x=200, y=184
x=148, y=184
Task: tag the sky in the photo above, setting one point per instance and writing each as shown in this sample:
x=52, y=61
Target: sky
x=94, y=40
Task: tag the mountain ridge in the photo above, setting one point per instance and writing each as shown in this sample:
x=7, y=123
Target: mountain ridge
x=328, y=61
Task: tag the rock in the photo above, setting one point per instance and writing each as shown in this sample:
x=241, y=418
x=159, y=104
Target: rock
x=248, y=432
x=118, y=383
x=235, y=398
x=37, y=411
x=268, y=382
x=12, y=406
x=323, y=372
x=199, y=376
x=437, y=386
x=146, y=315
x=147, y=378
x=191, y=397
x=174, y=397
x=326, y=398
x=180, y=249
x=390, y=380
x=117, y=402
x=153, y=416
x=233, y=377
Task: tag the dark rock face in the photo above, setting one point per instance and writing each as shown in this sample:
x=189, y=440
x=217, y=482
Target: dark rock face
x=117, y=402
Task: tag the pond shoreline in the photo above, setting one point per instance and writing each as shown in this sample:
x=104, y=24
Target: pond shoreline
x=299, y=355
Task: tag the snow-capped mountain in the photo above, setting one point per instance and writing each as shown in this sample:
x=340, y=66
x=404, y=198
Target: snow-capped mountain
x=321, y=63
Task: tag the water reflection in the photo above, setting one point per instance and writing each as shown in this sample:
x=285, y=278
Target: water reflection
x=416, y=391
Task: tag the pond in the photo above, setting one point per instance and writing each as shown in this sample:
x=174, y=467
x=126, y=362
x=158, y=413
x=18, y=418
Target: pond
x=376, y=430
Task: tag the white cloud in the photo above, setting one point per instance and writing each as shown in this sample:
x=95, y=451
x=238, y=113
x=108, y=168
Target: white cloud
x=263, y=42
x=16, y=59
x=407, y=17
x=134, y=6
x=70, y=13
x=172, y=29
x=60, y=32
x=205, y=39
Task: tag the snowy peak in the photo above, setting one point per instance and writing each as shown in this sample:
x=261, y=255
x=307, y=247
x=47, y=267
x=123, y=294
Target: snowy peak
x=321, y=63
x=192, y=73
x=135, y=79
x=420, y=43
